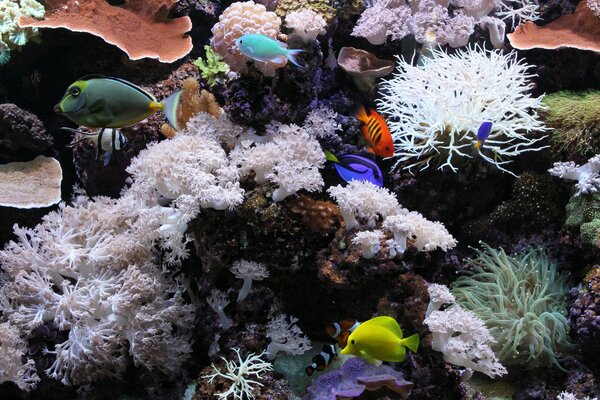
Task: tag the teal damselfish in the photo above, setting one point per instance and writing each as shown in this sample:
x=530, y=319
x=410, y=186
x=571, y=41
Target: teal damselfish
x=97, y=101
x=263, y=48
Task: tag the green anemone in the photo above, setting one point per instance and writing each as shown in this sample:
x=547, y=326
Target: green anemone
x=522, y=300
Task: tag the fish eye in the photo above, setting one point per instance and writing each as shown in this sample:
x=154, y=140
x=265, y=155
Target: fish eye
x=352, y=341
x=74, y=91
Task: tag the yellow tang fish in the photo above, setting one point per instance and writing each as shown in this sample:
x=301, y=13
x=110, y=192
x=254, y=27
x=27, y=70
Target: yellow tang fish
x=380, y=338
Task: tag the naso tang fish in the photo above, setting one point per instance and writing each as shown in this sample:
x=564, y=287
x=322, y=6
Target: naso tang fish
x=96, y=101
x=381, y=339
x=263, y=48
x=483, y=133
x=341, y=330
x=376, y=132
x=352, y=167
x=321, y=360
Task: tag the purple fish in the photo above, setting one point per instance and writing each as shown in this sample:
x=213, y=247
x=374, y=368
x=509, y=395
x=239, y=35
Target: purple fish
x=483, y=133
x=350, y=166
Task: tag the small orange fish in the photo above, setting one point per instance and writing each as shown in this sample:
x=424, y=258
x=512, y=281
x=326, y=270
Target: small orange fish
x=376, y=132
x=341, y=330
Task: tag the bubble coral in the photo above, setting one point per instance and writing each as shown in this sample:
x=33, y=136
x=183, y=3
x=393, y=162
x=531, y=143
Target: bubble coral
x=522, y=300
x=436, y=109
x=239, y=19
x=306, y=24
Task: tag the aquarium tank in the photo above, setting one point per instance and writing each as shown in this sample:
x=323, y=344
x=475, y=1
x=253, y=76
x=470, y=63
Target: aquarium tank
x=300, y=199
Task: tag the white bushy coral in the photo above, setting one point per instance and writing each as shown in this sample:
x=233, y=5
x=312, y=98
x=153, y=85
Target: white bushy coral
x=586, y=175
x=248, y=271
x=306, y=23
x=459, y=334
x=369, y=242
x=192, y=168
x=364, y=200
x=286, y=336
x=90, y=268
x=13, y=365
x=290, y=157
x=425, y=235
x=435, y=110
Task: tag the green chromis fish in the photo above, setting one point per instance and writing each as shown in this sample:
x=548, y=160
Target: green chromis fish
x=263, y=48
x=96, y=101
x=381, y=339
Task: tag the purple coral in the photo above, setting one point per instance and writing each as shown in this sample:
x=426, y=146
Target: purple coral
x=584, y=314
x=356, y=376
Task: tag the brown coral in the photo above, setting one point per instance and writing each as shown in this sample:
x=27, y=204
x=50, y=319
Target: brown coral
x=141, y=28
x=191, y=104
x=30, y=184
x=580, y=30
x=319, y=216
x=239, y=19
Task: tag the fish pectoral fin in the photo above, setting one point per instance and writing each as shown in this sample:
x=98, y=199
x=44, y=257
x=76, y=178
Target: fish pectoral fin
x=278, y=59
x=97, y=106
x=367, y=357
x=107, y=157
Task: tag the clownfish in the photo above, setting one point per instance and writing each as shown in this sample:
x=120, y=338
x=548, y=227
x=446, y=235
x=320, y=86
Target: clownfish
x=321, y=360
x=341, y=330
x=483, y=133
x=376, y=132
x=380, y=339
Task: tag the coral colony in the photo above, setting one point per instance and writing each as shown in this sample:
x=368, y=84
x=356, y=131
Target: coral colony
x=300, y=199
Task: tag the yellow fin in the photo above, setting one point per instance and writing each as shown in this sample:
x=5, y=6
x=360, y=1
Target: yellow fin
x=367, y=357
x=155, y=106
x=412, y=342
x=384, y=322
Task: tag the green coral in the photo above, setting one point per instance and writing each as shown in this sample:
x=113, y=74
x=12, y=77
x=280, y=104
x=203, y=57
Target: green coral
x=522, y=300
x=212, y=68
x=11, y=35
x=584, y=212
x=575, y=117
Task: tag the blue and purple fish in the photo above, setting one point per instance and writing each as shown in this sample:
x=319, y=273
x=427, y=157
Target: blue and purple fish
x=352, y=167
x=483, y=133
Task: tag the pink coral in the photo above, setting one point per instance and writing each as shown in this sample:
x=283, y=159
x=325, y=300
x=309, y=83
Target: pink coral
x=13, y=366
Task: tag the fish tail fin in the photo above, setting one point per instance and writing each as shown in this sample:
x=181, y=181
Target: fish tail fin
x=291, y=56
x=412, y=342
x=361, y=114
x=477, y=144
x=171, y=107
x=329, y=156
x=310, y=370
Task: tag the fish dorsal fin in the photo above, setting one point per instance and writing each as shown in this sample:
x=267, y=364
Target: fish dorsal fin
x=284, y=45
x=91, y=76
x=385, y=322
x=150, y=96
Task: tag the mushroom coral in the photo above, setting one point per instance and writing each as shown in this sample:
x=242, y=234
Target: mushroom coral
x=580, y=30
x=30, y=184
x=363, y=67
x=141, y=28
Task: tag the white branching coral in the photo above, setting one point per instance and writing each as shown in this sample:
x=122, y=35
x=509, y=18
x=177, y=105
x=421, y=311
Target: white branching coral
x=586, y=175
x=92, y=269
x=218, y=301
x=248, y=271
x=425, y=235
x=291, y=158
x=191, y=168
x=286, y=336
x=436, y=109
x=369, y=242
x=431, y=22
x=243, y=375
x=322, y=122
x=459, y=334
x=363, y=200
x=13, y=365
x=306, y=23
x=571, y=396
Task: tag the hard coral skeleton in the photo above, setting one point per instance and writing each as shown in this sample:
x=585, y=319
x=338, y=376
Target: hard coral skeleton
x=586, y=175
x=459, y=334
x=243, y=375
x=286, y=336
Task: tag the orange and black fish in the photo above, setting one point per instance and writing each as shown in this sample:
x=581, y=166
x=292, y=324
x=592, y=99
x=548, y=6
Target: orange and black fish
x=341, y=330
x=321, y=360
x=376, y=132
